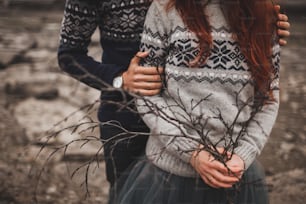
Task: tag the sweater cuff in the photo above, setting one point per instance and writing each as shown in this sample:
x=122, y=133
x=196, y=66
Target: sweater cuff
x=87, y=70
x=188, y=144
x=247, y=153
x=187, y=147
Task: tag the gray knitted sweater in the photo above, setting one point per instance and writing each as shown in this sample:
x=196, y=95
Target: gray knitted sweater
x=211, y=103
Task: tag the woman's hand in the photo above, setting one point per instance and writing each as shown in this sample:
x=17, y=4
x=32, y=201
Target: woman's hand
x=145, y=81
x=213, y=172
x=283, y=26
x=236, y=166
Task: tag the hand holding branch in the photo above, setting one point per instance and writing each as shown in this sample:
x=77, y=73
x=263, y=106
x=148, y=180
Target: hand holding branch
x=213, y=172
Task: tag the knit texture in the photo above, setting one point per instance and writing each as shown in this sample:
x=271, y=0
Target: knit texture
x=120, y=23
x=179, y=118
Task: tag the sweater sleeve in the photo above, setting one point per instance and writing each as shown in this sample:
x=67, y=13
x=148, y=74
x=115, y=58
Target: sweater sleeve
x=78, y=25
x=259, y=129
x=155, y=111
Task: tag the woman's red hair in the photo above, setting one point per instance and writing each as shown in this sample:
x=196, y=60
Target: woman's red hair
x=253, y=24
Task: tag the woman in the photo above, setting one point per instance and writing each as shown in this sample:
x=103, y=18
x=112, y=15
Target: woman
x=219, y=105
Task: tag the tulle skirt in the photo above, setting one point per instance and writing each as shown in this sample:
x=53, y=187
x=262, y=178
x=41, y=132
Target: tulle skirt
x=147, y=184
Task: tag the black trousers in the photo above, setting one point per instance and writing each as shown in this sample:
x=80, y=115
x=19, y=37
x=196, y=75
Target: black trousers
x=121, y=149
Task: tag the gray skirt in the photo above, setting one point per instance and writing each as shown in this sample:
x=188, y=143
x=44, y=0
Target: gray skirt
x=147, y=184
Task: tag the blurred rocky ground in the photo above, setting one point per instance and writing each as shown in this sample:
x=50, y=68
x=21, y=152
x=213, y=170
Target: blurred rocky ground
x=36, y=100
x=34, y=97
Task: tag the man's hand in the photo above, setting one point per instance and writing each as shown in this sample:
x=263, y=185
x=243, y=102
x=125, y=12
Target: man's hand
x=145, y=81
x=283, y=26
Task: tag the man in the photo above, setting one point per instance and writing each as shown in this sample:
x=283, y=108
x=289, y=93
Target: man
x=120, y=23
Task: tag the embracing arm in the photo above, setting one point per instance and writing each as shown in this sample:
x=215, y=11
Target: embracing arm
x=145, y=81
x=78, y=25
x=283, y=26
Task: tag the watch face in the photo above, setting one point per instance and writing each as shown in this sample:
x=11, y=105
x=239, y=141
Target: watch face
x=117, y=83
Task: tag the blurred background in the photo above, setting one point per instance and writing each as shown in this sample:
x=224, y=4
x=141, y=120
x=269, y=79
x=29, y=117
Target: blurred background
x=36, y=99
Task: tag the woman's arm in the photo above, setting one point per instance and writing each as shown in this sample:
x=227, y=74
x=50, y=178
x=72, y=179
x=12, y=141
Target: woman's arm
x=251, y=144
x=154, y=110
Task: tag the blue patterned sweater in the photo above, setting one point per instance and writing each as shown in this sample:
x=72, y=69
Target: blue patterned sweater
x=120, y=23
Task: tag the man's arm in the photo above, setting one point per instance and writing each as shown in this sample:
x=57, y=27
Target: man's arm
x=283, y=26
x=78, y=25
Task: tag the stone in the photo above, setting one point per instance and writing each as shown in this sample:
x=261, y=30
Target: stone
x=39, y=86
x=49, y=31
x=49, y=93
x=288, y=187
x=97, y=183
x=38, y=55
x=77, y=152
x=13, y=46
x=8, y=57
x=39, y=116
x=75, y=92
x=302, y=149
x=289, y=136
x=41, y=154
x=285, y=149
x=11, y=132
x=48, y=119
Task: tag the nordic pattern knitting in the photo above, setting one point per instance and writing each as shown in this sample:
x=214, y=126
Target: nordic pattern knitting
x=118, y=21
x=224, y=79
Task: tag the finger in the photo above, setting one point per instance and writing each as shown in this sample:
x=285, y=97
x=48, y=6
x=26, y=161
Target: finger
x=235, y=169
x=283, y=33
x=283, y=25
x=277, y=8
x=218, y=166
x=236, y=173
x=145, y=92
x=139, y=55
x=282, y=42
x=222, y=176
x=224, y=179
x=147, y=85
x=149, y=70
x=212, y=167
x=147, y=78
x=214, y=182
x=282, y=17
x=208, y=182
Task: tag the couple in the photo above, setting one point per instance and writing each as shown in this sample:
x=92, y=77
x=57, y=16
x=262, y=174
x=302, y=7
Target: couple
x=214, y=48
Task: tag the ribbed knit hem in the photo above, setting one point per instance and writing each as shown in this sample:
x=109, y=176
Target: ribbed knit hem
x=173, y=162
x=247, y=153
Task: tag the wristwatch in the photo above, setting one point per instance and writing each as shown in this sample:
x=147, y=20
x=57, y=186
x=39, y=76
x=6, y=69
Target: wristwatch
x=118, y=82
